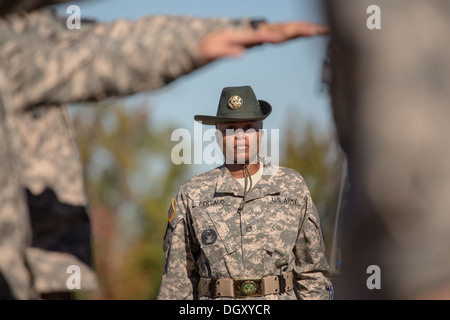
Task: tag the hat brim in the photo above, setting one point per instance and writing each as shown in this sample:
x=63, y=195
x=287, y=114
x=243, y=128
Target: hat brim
x=266, y=109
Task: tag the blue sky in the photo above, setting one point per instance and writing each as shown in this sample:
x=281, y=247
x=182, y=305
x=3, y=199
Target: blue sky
x=287, y=75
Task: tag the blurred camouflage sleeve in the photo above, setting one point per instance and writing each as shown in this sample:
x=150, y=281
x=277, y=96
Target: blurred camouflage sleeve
x=15, y=280
x=311, y=270
x=180, y=277
x=101, y=59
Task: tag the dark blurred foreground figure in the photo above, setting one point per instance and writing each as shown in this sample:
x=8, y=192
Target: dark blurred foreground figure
x=390, y=95
x=44, y=217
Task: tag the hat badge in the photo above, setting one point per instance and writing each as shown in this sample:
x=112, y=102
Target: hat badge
x=235, y=102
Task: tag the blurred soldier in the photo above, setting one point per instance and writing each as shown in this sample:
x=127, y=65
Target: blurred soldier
x=391, y=93
x=44, y=218
x=244, y=229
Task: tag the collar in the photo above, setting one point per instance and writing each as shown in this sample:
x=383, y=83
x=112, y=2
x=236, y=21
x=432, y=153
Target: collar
x=226, y=183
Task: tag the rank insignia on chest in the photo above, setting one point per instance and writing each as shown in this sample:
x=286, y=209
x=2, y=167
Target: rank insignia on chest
x=171, y=211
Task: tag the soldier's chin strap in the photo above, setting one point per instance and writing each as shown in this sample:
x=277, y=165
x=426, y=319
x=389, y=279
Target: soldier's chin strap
x=247, y=177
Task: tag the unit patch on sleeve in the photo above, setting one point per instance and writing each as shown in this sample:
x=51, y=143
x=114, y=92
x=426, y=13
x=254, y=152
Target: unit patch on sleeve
x=171, y=211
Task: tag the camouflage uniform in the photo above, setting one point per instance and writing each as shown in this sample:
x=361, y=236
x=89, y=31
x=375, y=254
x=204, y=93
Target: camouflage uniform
x=44, y=218
x=278, y=231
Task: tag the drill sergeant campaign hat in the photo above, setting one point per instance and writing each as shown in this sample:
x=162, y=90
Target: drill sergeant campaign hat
x=237, y=104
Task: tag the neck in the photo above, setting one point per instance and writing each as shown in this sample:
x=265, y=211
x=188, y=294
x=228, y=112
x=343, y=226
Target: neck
x=237, y=170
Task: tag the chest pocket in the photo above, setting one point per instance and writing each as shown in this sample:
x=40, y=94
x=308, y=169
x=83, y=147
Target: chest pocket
x=278, y=249
x=211, y=229
x=211, y=245
x=213, y=233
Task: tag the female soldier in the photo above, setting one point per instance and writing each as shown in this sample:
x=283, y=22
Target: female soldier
x=244, y=229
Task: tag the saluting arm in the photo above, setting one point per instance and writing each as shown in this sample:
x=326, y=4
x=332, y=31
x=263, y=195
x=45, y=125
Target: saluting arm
x=50, y=64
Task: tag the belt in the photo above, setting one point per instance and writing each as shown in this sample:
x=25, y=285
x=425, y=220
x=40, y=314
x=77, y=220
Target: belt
x=242, y=288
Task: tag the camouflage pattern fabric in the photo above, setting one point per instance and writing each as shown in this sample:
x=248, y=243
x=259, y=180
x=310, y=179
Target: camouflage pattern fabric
x=277, y=231
x=44, y=218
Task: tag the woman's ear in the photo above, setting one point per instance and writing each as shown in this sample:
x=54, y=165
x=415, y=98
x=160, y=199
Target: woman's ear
x=219, y=138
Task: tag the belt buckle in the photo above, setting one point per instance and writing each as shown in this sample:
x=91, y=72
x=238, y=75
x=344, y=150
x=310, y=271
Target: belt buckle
x=247, y=288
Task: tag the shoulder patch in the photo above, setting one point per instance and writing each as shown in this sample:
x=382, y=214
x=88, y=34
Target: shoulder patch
x=171, y=212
